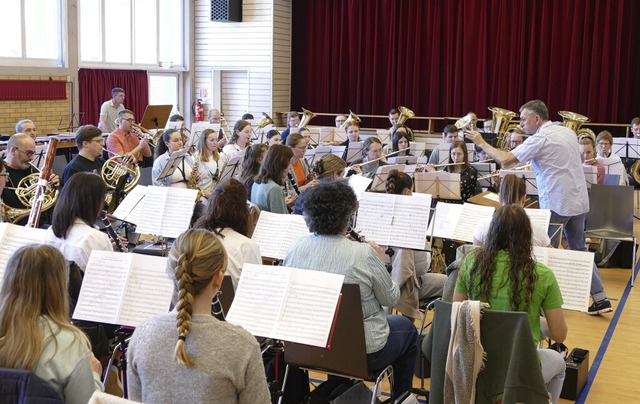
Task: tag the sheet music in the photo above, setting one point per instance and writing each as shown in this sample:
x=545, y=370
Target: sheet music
x=290, y=304
x=171, y=209
x=396, y=220
x=417, y=148
x=359, y=183
x=275, y=233
x=590, y=175
x=198, y=127
x=539, y=217
x=493, y=197
x=528, y=176
x=129, y=203
x=384, y=135
x=338, y=151
x=149, y=290
x=573, y=272
x=124, y=289
x=471, y=216
x=13, y=237
x=458, y=222
x=626, y=147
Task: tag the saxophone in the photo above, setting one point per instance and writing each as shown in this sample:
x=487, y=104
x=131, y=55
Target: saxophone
x=194, y=177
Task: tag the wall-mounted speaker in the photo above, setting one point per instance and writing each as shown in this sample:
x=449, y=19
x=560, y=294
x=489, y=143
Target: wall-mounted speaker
x=226, y=10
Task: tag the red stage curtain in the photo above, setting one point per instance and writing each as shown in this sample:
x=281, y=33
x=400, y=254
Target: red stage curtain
x=448, y=57
x=94, y=87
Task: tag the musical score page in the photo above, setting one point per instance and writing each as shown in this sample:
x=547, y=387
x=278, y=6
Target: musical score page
x=396, y=220
x=148, y=292
x=129, y=205
x=444, y=221
x=573, y=271
x=275, y=233
x=469, y=219
x=359, y=183
x=14, y=237
x=123, y=289
x=168, y=211
x=289, y=304
x=539, y=217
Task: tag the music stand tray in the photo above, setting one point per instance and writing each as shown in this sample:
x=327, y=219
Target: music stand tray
x=156, y=116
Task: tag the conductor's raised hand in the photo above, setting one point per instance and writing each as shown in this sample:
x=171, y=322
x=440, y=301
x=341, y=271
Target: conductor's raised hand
x=474, y=136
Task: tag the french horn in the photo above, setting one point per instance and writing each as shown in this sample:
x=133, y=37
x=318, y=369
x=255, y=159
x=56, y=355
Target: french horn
x=113, y=169
x=25, y=191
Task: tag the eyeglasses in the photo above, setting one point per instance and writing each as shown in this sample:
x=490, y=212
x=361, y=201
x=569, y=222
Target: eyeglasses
x=29, y=153
x=128, y=119
x=4, y=175
x=98, y=140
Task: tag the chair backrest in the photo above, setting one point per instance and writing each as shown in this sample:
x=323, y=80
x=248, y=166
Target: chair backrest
x=145, y=176
x=347, y=355
x=611, y=210
x=511, y=361
x=22, y=386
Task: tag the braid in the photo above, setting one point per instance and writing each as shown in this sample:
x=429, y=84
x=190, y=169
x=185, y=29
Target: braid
x=319, y=169
x=390, y=185
x=185, y=310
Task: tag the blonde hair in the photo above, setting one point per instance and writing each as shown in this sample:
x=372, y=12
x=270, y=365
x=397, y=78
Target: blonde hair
x=329, y=165
x=194, y=259
x=202, y=146
x=35, y=284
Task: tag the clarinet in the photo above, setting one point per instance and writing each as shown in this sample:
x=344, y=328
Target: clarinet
x=355, y=235
x=293, y=182
x=112, y=233
x=216, y=307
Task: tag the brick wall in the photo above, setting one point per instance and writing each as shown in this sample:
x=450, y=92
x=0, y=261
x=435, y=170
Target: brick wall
x=45, y=114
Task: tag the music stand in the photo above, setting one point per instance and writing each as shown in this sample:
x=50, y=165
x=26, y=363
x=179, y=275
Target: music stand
x=528, y=176
x=590, y=175
x=311, y=155
x=176, y=158
x=232, y=168
x=406, y=160
x=380, y=177
x=39, y=156
x=156, y=116
x=484, y=170
x=73, y=120
x=441, y=184
x=626, y=147
x=354, y=151
x=198, y=127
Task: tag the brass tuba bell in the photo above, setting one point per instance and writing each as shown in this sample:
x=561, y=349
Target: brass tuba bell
x=500, y=124
x=351, y=118
x=405, y=113
x=306, y=117
x=264, y=121
x=574, y=121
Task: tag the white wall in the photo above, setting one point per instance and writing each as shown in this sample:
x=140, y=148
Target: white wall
x=260, y=44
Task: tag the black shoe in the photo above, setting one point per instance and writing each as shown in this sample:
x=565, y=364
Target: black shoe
x=601, y=307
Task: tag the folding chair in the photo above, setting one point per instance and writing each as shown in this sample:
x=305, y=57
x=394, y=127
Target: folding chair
x=347, y=355
x=611, y=216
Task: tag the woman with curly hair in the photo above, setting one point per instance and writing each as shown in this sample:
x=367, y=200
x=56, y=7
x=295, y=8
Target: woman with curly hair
x=188, y=355
x=390, y=340
x=504, y=274
x=35, y=331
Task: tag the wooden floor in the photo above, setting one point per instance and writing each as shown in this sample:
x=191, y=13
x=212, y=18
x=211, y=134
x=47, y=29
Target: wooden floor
x=613, y=341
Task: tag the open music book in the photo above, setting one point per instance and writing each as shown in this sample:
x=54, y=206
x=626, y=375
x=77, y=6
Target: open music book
x=161, y=211
x=275, y=233
x=458, y=222
x=395, y=220
x=573, y=272
x=288, y=304
x=123, y=289
x=13, y=237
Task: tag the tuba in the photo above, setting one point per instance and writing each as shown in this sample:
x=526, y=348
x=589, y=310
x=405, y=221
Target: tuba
x=306, y=117
x=574, y=121
x=405, y=113
x=351, y=118
x=264, y=121
x=500, y=124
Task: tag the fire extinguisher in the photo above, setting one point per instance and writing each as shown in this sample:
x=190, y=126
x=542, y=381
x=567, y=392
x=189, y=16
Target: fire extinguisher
x=198, y=110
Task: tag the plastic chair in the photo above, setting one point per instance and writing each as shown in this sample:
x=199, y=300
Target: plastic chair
x=611, y=216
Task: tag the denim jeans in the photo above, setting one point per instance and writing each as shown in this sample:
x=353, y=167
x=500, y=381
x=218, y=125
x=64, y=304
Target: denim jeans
x=574, y=232
x=400, y=352
x=553, y=371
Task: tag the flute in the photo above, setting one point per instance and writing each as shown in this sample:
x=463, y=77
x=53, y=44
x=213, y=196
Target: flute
x=381, y=157
x=497, y=172
x=446, y=165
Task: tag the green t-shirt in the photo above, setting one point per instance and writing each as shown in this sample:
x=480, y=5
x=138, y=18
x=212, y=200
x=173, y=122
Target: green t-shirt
x=546, y=292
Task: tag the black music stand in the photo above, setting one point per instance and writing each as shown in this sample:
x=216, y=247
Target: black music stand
x=232, y=167
x=485, y=170
x=72, y=122
x=176, y=158
x=156, y=116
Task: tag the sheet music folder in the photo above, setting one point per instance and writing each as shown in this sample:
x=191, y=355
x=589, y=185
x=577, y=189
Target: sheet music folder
x=176, y=158
x=289, y=304
x=156, y=116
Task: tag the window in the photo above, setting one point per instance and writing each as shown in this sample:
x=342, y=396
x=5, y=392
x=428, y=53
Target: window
x=163, y=90
x=31, y=32
x=132, y=32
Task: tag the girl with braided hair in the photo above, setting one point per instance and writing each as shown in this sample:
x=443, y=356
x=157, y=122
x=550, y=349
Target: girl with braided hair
x=188, y=355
